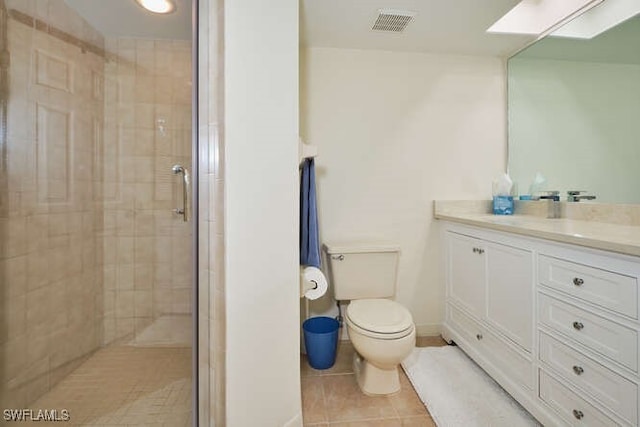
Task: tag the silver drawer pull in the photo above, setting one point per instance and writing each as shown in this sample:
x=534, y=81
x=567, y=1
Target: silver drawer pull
x=578, y=414
x=578, y=281
x=480, y=251
x=578, y=370
x=479, y=337
x=578, y=326
x=338, y=257
x=475, y=250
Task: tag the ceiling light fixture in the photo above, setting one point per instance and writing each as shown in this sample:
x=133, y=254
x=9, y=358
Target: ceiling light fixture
x=538, y=16
x=158, y=6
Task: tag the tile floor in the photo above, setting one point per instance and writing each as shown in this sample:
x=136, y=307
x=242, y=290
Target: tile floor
x=331, y=397
x=125, y=385
x=142, y=386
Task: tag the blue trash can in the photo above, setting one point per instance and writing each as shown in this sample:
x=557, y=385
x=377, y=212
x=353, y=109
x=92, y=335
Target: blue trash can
x=321, y=341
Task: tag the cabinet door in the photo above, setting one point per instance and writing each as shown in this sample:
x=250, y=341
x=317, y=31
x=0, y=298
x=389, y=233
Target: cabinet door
x=467, y=273
x=510, y=292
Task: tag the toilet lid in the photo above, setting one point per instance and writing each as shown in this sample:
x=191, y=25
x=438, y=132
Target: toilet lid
x=382, y=316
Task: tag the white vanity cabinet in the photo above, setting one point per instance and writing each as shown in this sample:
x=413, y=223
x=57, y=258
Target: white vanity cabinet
x=587, y=307
x=489, y=310
x=492, y=282
x=556, y=325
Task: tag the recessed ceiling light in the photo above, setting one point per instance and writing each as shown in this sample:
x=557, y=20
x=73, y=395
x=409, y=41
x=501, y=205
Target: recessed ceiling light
x=158, y=6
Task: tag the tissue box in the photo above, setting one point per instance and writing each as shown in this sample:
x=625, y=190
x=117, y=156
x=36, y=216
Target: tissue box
x=502, y=205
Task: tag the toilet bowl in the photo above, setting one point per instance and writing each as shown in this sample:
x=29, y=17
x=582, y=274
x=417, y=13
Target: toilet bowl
x=381, y=330
x=383, y=334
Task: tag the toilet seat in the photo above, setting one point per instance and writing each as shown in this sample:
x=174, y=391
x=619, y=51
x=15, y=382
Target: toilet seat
x=379, y=318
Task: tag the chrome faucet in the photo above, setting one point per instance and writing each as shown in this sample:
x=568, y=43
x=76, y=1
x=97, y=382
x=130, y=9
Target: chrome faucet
x=550, y=195
x=553, y=207
x=575, y=196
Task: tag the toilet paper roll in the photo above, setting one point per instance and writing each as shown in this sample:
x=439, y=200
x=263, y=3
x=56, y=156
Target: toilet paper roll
x=313, y=284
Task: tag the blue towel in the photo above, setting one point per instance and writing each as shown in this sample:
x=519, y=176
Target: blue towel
x=309, y=239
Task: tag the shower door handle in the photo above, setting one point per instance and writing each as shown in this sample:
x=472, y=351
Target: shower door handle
x=181, y=170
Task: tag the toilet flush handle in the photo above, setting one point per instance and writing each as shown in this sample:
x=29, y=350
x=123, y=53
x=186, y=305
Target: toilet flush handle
x=338, y=257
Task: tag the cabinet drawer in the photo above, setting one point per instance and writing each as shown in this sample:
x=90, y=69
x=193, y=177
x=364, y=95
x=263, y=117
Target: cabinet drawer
x=604, y=336
x=464, y=325
x=515, y=366
x=616, y=292
x=610, y=389
x=572, y=408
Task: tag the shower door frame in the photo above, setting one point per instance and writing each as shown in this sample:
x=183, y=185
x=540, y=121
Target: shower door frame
x=195, y=205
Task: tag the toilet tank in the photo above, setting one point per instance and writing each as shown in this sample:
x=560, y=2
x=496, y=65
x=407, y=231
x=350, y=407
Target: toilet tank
x=359, y=271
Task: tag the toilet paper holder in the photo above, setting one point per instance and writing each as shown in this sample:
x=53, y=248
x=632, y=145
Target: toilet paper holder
x=313, y=283
x=309, y=285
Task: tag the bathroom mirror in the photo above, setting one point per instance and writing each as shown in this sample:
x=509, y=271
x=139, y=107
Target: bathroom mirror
x=574, y=110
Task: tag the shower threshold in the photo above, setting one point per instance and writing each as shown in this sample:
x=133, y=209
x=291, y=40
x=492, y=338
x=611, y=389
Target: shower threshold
x=170, y=330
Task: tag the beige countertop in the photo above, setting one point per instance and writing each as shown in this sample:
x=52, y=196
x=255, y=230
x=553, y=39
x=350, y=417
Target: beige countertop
x=619, y=238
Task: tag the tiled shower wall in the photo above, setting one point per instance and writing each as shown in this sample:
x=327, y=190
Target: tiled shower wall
x=147, y=247
x=211, y=282
x=50, y=210
x=90, y=250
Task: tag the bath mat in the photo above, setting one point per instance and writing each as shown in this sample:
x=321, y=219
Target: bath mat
x=458, y=393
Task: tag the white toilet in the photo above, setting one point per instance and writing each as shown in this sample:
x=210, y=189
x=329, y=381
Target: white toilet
x=381, y=330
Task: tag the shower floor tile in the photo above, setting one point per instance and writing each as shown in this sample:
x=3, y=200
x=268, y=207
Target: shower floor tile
x=125, y=386
x=331, y=397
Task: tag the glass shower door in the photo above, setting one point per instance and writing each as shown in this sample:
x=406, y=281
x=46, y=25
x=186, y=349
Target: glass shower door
x=96, y=282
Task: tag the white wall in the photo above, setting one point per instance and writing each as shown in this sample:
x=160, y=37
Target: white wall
x=394, y=132
x=576, y=123
x=261, y=236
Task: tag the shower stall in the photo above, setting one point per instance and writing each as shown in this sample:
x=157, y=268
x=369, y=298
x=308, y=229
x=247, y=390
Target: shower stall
x=96, y=211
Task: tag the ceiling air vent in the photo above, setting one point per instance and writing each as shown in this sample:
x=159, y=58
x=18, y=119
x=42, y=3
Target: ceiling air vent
x=392, y=20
